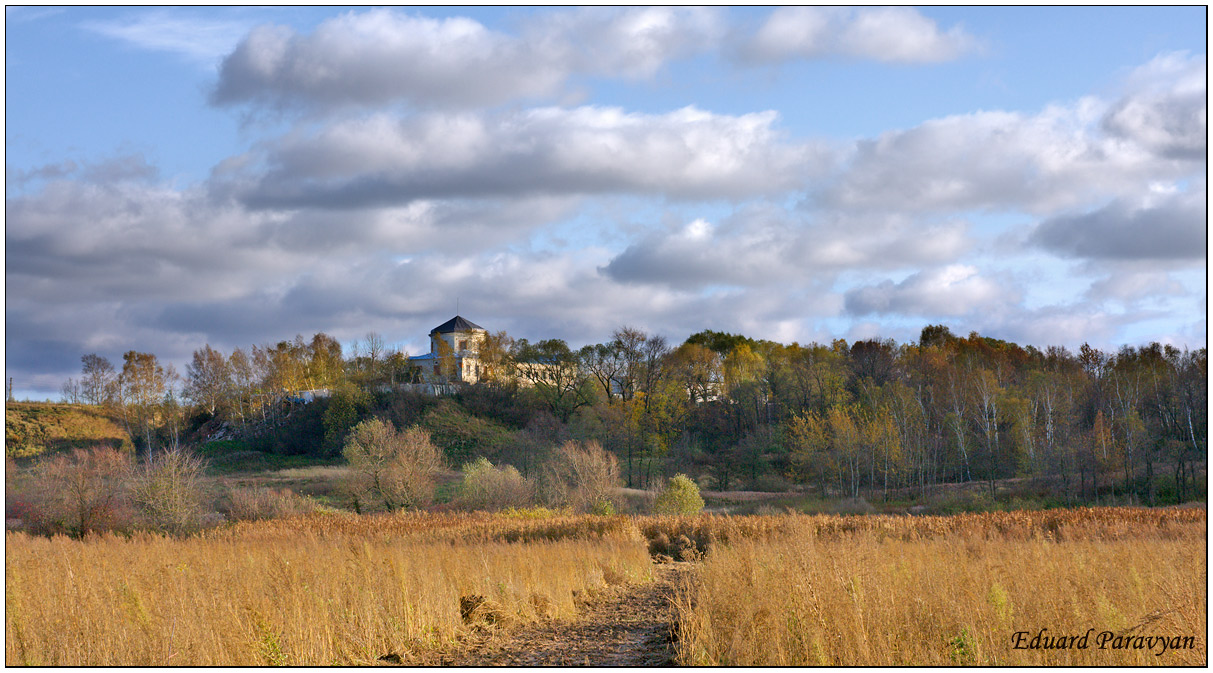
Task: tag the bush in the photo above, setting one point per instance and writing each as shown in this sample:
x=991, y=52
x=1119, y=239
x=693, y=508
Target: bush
x=84, y=491
x=395, y=469
x=582, y=477
x=488, y=487
x=681, y=496
x=167, y=491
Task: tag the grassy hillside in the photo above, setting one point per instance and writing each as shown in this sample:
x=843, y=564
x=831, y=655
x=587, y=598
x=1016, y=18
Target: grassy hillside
x=36, y=428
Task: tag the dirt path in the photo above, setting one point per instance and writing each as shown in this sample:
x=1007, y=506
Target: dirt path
x=629, y=626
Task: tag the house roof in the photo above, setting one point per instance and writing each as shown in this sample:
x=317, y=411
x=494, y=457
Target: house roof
x=456, y=324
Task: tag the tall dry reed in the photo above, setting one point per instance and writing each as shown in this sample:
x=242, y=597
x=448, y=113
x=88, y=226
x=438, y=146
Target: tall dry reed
x=879, y=591
x=251, y=595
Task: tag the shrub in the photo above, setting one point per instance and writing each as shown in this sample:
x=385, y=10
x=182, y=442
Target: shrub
x=84, y=491
x=487, y=487
x=681, y=496
x=167, y=491
x=582, y=477
x=396, y=469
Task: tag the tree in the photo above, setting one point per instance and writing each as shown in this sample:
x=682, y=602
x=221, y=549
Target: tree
x=71, y=391
x=496, y=367
x=396, y=469
x=486, y=486
x=697, y=370
x=556, y=374
x=97, y=380
x=604, y=362
x=208, y=379
x=143, y=383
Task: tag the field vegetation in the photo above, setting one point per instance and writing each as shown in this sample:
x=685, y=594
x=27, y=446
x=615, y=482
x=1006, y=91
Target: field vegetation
x=897, y=591
x=336, y=588
x=322, y=589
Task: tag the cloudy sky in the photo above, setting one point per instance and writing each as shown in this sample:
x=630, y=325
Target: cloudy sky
x=237, y=176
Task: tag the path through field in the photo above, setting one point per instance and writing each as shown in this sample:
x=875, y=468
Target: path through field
x=627, y=626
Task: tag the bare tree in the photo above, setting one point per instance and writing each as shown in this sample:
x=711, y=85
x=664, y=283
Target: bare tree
x=83, y=491
x=394, y=468
x=583, y=477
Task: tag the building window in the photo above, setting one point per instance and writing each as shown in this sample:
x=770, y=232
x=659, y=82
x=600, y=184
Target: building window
x=463, y=344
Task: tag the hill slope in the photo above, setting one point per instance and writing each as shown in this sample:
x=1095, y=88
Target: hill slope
x=36, y=428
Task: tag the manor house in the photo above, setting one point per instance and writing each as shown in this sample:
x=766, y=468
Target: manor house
x=454, y=352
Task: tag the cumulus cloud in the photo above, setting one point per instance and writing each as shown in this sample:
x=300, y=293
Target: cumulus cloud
x=383, y=160
x=954, y=290
x=382, y=56
x=762, y=245
x=1165, y=109
x=632, y=43
x=1171, y=229
x=1066, y=156
x=1129, y=286
x=889, y=34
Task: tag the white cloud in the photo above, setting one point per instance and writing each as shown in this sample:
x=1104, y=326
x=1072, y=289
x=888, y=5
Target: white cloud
x=763, y=245
x=1065, y=156
x=381, y=56
x=1165, y=109
x=383, y=160
x=954, y=290
x=205, y=41
x=889, y=34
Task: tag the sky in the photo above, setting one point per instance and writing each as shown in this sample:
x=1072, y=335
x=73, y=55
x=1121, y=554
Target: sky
x=178, y=177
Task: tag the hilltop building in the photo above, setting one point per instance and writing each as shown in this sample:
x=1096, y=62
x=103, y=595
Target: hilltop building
x=454, y=352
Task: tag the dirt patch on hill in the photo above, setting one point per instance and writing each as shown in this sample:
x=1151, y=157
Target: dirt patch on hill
x=627, y=625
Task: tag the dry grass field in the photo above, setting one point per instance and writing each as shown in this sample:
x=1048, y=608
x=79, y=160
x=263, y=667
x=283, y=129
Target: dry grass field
x=889, y=591
x=315, y=590
x=334, y=588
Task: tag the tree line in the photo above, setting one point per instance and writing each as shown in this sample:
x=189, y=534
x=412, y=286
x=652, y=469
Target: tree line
x=871, y=418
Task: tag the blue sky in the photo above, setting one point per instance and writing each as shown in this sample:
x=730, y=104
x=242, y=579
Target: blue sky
x=231, y=176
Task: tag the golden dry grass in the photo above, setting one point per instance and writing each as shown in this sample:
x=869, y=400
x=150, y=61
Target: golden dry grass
x=878, y=591
x=293, y=592
x=335, y=588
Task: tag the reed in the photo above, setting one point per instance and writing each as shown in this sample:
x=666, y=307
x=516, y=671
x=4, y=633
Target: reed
x=897, y=591
x=251, y=595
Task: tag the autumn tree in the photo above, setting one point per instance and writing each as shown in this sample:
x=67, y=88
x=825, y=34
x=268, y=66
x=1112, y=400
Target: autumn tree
x=143, y=383
x=98, y=381
x=208, y=380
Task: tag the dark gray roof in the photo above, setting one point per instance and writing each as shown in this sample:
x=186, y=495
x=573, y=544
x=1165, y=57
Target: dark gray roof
x=456, y=324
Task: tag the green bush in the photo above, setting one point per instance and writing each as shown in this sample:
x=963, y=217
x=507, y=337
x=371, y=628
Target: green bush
x=487, y=487
x=681, y=496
